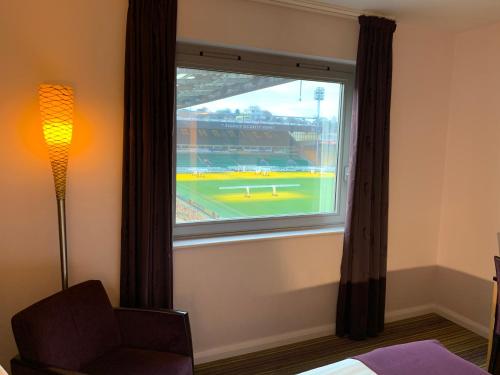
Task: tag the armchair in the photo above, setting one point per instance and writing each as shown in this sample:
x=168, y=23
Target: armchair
x=77, y=331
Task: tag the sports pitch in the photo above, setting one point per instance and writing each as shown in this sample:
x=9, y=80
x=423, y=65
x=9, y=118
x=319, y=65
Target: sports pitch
x=232, y=195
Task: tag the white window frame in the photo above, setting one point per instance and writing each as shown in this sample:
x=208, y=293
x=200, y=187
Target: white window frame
x=196, y=56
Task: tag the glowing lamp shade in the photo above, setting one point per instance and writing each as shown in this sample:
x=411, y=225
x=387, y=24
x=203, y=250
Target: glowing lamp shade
x=56, y=108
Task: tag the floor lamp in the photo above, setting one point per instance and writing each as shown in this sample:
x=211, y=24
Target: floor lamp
x=56, y=107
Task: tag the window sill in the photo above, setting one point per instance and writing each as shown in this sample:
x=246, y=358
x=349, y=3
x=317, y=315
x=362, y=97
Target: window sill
x=197, y=242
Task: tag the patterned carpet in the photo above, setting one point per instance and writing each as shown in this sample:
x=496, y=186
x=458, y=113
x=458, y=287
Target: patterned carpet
x=294, y=358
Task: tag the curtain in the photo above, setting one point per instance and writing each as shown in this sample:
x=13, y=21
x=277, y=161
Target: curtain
x=148, y=154
x=361, y=298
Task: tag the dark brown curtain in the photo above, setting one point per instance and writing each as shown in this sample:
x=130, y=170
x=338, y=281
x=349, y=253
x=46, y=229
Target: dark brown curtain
x=148, y=162
x=361, y=300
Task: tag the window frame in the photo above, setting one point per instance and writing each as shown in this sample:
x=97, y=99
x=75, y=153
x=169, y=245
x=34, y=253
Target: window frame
x=208, y=57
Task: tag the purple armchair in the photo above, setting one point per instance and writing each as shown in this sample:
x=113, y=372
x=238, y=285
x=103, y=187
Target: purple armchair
x=77, y=331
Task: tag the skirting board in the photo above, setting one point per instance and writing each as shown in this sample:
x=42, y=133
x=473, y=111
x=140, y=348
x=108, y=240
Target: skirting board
x=463, y=321
x=392, y=316
x=262, y=343
x=295, y=336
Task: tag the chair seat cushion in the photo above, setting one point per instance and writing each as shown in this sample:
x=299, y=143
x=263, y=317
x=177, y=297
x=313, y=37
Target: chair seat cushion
x=128, y=361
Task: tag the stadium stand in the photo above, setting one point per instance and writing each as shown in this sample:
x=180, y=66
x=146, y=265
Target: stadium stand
x=223, y=148
x=231, y=144
x=235, y=137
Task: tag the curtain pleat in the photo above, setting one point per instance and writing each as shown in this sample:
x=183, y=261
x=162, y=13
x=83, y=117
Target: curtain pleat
x=361, y=298
x=148, y=154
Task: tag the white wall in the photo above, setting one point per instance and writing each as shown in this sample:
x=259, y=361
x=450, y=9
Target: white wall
x=252, y=25
x=471, y=197
x=78, y=42
x=238, y=293
x=234, y=292
x=419, y=117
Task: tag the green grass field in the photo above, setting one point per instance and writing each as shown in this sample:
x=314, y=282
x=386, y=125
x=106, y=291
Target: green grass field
x=225, y=195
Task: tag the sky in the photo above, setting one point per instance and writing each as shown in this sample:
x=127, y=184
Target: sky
x=284, y=100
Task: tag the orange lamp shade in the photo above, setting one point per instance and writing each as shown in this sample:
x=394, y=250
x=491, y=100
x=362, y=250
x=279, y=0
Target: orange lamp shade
x=56, y=108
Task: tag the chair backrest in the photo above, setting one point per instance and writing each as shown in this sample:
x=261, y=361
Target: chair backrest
x=497, y=320
x=69, y=328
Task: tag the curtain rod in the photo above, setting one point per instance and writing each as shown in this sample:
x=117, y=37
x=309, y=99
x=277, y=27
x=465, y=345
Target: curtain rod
x=321, y=7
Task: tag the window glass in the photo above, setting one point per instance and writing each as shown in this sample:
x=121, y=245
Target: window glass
x=254, y=146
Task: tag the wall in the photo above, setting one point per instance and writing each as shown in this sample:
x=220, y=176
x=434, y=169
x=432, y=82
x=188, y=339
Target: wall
x=245, y=23
x=81, y=43
x=286, y=287
x=240, y=294
x=421, y=83
x=471, y=199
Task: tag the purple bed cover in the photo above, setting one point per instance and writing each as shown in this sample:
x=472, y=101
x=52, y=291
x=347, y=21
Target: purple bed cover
x=418, y=358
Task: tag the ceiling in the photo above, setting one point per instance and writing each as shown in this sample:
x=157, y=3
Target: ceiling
x=455, y=15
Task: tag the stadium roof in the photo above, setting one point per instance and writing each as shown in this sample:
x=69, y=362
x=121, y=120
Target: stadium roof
x=201, y=86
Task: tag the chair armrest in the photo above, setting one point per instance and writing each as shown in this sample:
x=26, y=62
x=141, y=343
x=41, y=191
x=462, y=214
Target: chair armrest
x=161, y=330
x=20, y=367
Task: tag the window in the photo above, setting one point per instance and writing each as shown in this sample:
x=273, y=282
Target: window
x=261, y=141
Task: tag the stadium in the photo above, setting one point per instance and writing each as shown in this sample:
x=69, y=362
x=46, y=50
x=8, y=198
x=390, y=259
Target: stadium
x=249, y=162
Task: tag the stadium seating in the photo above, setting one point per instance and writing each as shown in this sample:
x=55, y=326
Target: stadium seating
x=184, y=160
x=231, y=161
x=236, y=148
x=230, y=137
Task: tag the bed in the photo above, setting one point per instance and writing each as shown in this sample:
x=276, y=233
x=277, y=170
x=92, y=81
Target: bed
x=422, y=357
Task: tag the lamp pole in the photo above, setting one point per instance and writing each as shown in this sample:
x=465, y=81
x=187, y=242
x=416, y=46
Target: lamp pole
x=319, y=95
x=63, y=243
